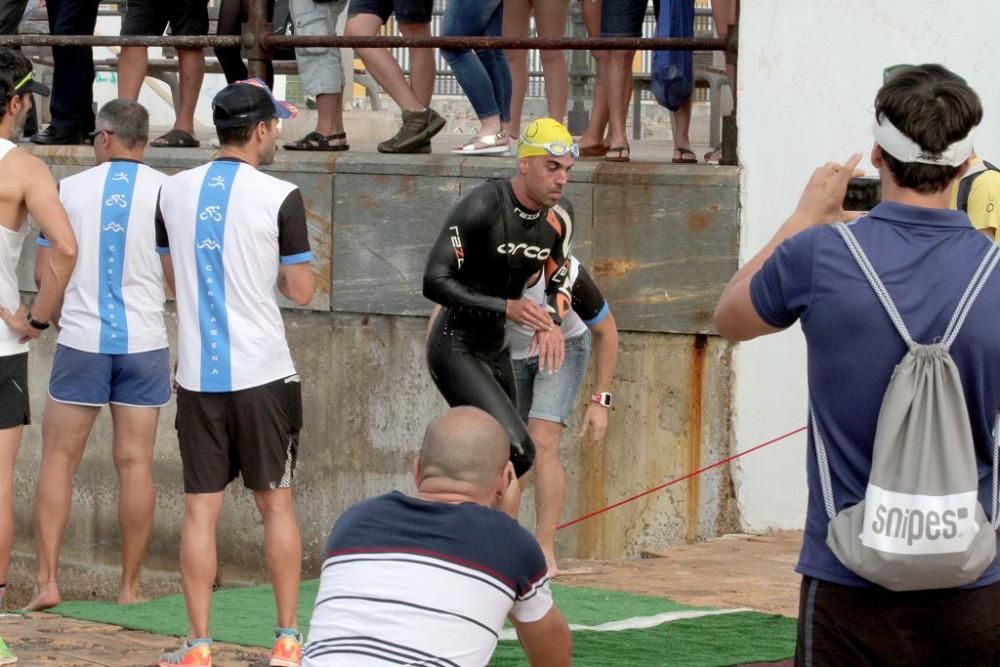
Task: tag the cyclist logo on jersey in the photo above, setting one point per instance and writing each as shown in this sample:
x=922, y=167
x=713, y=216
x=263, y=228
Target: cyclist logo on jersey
x=116, y=200
x=211, y=212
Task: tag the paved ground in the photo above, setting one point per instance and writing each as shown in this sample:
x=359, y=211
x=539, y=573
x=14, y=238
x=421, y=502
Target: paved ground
x=735, y=570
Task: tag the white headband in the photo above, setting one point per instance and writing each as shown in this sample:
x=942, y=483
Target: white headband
x=904, y=149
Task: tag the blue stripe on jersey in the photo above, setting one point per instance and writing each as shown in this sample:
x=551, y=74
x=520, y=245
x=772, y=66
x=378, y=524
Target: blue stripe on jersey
x=601, y=314
x=300, y=258
x=119, y=186
x=213, y=320
x=42, y=242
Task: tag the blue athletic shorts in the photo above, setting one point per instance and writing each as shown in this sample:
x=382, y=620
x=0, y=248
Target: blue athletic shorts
x=551, y=397
x=88, y=378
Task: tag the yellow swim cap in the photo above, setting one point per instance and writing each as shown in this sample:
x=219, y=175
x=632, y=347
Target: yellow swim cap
x=545, y=136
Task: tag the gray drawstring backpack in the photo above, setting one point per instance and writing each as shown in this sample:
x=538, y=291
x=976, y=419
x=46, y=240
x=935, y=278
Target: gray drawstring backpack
x=920, y=525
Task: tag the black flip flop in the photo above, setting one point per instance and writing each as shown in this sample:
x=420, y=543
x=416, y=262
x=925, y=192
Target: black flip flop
x=175, y=139
x=314, y=141
x=687, y=156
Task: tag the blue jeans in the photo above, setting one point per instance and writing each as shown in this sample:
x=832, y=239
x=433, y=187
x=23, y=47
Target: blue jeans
x=484, y=75
x=551, y=397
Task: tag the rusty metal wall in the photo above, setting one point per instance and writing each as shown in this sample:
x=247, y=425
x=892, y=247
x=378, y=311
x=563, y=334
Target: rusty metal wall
x=662, y=241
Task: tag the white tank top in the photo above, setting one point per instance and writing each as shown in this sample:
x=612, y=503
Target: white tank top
x=10, y=252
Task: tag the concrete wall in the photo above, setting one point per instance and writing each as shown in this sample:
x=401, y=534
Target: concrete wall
x=661, y=241
x=806, y=96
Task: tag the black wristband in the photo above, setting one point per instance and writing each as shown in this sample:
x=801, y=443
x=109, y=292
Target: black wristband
x=35, y=324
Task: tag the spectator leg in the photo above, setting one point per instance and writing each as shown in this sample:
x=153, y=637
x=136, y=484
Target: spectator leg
x=478, y=17
x=381, y=64
x=550, y=20
x=597, y=126
x=230, y=17
x=11, y=12
x=618, y=84
x=72, y=100
x=636, y=113
x=724, y=13
x=191, y=70
x=680, y=128
x=321, y=68
x=330, y=114
x=516, y=24
x=423, y=69
x=131, y=71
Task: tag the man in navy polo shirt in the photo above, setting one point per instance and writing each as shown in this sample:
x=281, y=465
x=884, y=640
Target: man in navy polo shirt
x=925, y=255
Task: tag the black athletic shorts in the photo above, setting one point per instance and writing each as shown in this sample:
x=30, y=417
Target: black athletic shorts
x=406, y=11
x=151, y=17
x=253, y=432
x=14, y=410
x=846, y=625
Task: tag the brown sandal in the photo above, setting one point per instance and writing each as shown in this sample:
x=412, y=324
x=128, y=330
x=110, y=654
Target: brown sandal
x=594, y=150
x=314, y=141
x=621, y=154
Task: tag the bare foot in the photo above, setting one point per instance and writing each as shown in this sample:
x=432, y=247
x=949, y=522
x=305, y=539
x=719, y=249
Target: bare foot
x=131, y=596
x=45, y=596
x=550, y=561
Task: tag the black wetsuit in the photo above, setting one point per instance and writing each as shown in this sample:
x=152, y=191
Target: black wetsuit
x=490, y=246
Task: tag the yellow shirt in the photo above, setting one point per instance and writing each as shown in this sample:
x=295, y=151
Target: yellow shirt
x=984, y=198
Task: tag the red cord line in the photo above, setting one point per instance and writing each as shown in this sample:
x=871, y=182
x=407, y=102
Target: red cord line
x=680, y=479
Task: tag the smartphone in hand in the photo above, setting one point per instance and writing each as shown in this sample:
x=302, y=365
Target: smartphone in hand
x=863, y=194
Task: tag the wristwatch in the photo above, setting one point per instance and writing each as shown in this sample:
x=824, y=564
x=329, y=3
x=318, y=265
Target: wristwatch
x=35, y=324
x=603, y=398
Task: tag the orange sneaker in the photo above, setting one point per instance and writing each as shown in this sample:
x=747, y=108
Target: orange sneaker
x=287, y=651
x=198, y=654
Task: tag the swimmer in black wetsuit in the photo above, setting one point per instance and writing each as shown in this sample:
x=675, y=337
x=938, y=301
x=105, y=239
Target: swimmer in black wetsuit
x=494, y=239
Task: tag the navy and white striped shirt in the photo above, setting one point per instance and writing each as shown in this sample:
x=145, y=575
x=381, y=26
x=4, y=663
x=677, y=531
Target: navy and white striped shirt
x=409, y=581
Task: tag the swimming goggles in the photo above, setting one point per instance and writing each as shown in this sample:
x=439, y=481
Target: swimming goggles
x=555, y=148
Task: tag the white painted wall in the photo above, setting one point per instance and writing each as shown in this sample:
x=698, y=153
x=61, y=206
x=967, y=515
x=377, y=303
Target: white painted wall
x=808, y=73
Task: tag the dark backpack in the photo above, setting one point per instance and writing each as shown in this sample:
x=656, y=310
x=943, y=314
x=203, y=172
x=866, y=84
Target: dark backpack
x=965, y=185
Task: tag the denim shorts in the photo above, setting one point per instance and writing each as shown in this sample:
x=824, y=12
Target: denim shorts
x=141, y=379
x=551, y=397
x=623, y=18
x=406, y=11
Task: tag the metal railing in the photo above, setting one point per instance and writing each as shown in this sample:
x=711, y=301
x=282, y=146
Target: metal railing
x=257, y=41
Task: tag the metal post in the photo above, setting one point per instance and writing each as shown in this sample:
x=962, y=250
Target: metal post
x=729, y=129
x=254, y=49
x=579, y=73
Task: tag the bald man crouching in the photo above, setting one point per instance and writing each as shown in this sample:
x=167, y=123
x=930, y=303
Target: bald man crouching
x=430, y=578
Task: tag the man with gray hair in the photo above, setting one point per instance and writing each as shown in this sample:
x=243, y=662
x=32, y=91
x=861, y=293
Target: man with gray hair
x=112, y=347
x=430, y=578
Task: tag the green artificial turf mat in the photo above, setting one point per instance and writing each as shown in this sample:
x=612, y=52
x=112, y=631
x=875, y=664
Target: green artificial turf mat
x=246, y=616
